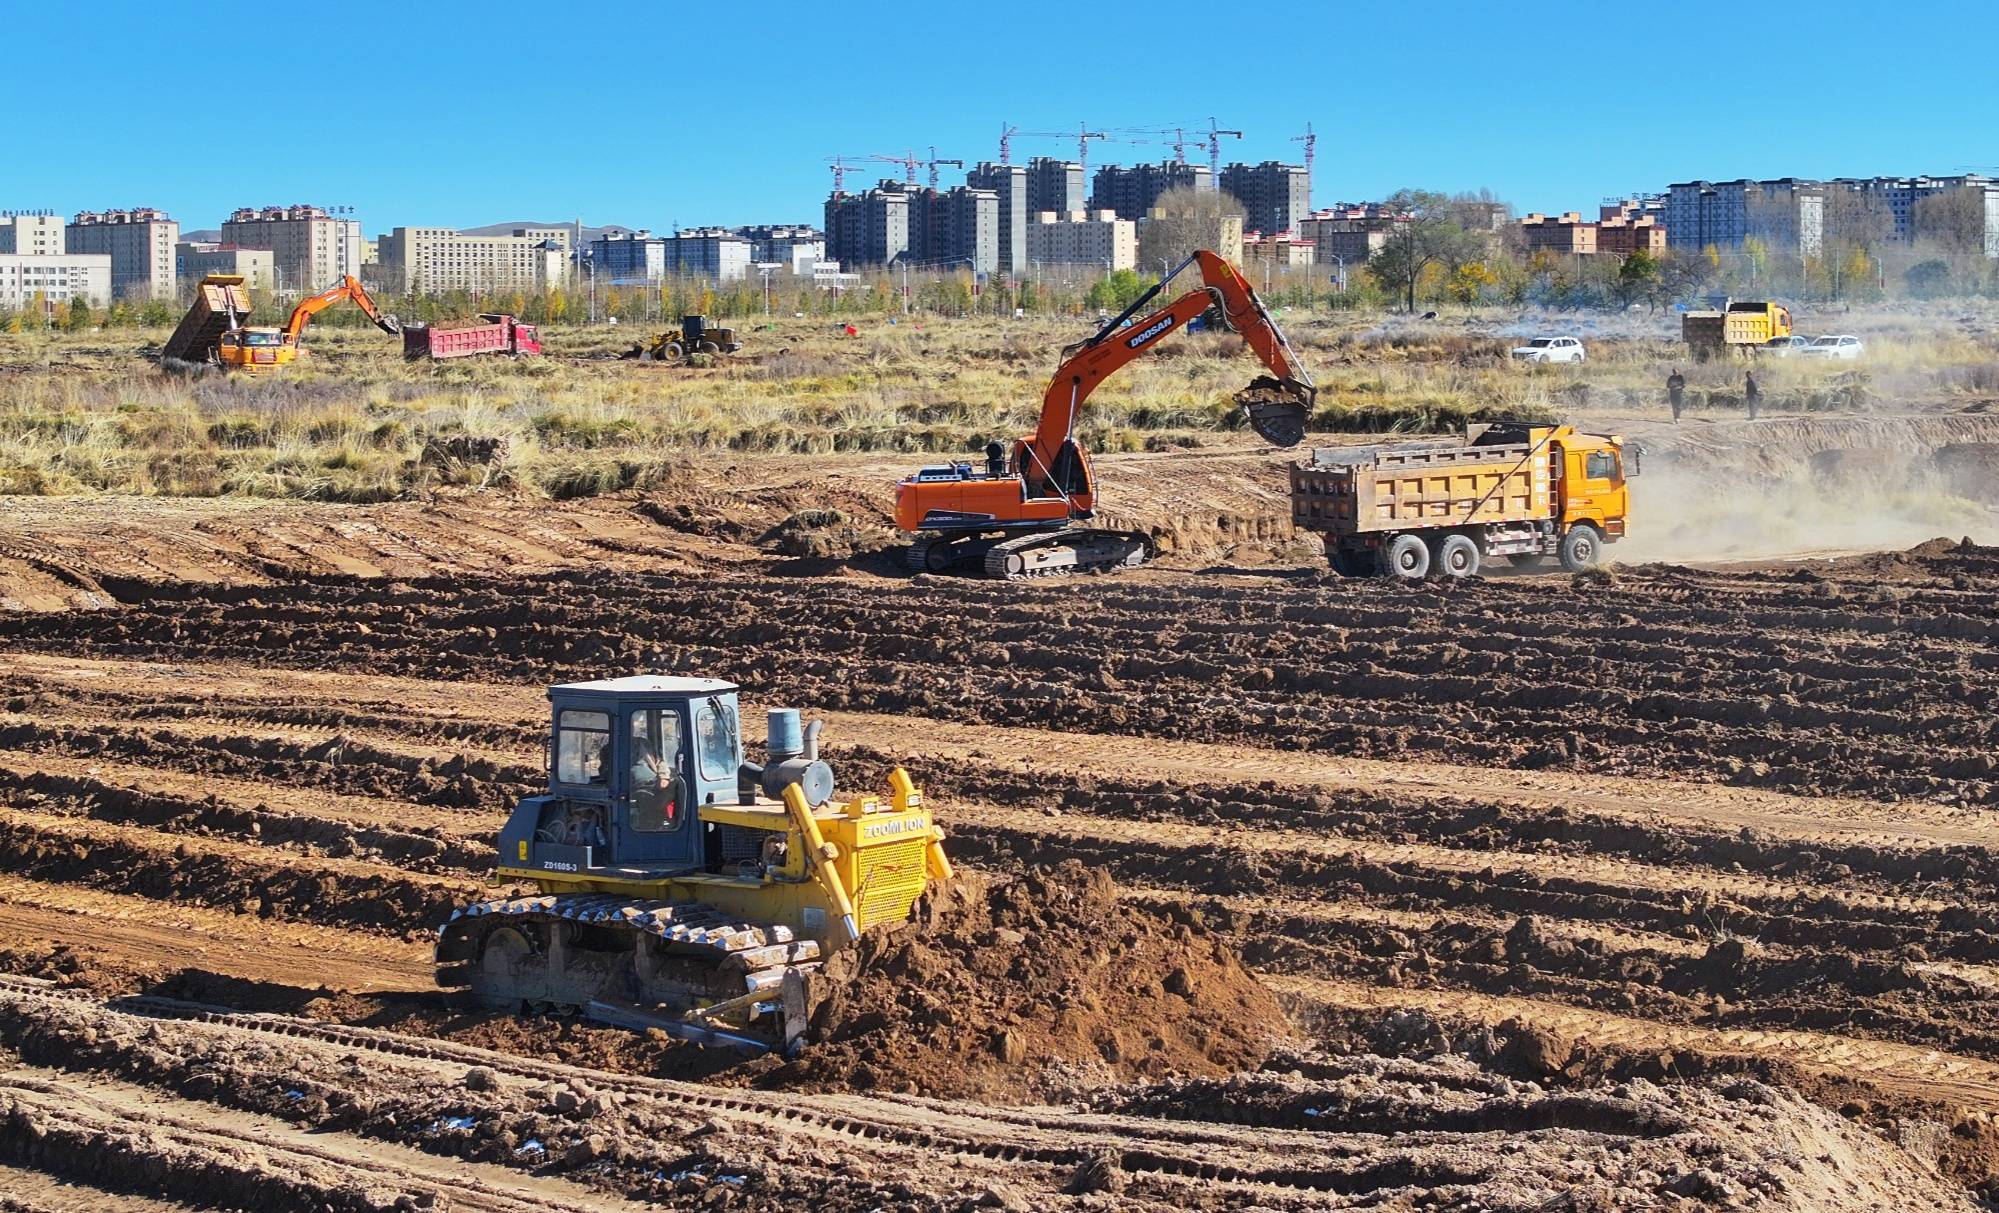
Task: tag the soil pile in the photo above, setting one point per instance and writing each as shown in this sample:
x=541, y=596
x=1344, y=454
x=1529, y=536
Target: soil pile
x=1012, y=988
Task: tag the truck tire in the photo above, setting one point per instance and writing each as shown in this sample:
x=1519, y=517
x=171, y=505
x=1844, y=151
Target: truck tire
x=1407, y=557
x=1353, y=564
x=1457, y=556
x=1582, y=547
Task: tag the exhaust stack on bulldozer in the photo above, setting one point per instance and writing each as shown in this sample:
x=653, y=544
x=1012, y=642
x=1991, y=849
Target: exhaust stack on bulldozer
x=679, y=886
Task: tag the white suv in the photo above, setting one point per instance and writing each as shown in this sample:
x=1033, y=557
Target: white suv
x=1550, y=349
x=1834, y=347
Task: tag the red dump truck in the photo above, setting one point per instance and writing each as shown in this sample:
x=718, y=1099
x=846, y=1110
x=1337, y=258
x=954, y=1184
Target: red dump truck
x=499, y=335
x=1514, y=491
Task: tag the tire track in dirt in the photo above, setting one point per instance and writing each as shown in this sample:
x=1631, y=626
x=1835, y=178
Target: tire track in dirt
x=1803, y=687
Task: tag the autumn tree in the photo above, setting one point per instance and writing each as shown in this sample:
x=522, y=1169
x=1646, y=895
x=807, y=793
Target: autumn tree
x=1427, y=229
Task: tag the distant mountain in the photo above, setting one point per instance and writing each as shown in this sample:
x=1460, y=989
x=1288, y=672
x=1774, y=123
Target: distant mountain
x=206, y=235
x=507, y=229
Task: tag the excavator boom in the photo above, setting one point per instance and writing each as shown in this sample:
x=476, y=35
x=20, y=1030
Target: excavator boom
x=347, y=288
x=1031, y=499
x=1088, y=363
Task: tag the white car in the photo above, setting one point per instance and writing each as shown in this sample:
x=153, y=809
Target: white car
x=1783, y=347
x=1550, y=349
x=1834, y=347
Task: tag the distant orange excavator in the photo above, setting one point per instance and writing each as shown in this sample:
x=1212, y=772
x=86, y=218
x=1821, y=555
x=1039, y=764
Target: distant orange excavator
x=213, y=329
x=1018, y=516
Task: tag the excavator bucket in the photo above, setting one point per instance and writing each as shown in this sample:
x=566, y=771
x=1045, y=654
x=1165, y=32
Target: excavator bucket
x=1276, y=409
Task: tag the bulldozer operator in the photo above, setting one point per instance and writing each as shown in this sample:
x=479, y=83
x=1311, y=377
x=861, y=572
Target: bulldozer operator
x=655, y=775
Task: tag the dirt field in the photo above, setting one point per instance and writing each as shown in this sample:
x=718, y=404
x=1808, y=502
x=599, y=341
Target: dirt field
x=1671, y=887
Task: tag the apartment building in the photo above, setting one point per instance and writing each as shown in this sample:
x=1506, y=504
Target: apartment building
x=32, y=233
x=1275, y=197
x=140, y=242
x=1347, y=235
x=1902, y=196
x=628, y=257
x=1055, y=185
x=954, y=229
x=310, y=248
x=54, y=278
x=1096, y=238
x=715, y=253
x=1629, y=227
x=870, y=228
x=195, y=260
x=1787, y=212
x=795, y=246
x=1008, y=182
x=432, y=260
x=1280, y=251
x=1565, y=234
x=1132, y=190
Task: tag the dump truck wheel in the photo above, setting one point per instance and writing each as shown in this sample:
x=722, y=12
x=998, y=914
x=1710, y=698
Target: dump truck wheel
x=1406, y=556
x=1353, y=564
x=1581, y=549
x=1457, y=556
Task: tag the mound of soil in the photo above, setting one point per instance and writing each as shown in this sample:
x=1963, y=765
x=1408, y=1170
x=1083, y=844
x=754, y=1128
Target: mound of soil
x=1010, y=989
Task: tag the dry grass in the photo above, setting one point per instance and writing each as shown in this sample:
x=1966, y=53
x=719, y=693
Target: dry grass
x=86, y=412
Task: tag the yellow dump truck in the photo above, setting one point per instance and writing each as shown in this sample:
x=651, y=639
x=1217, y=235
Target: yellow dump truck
x=1515, y=491
x=1741, y=324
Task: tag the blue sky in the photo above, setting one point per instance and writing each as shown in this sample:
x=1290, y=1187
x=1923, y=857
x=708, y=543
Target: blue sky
x=467, y=114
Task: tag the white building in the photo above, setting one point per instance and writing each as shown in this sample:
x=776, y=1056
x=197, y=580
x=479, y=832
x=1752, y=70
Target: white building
x=56, y=278
x=38, y=233
x=431, y=260
x=140, y=243
x=1096, y=238
x=195, y=260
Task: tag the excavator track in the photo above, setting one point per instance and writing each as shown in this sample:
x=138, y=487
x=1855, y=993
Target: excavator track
x=684, y=967
x=1072, y=550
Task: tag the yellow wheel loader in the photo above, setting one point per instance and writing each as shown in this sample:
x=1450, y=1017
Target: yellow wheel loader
x=677, y=886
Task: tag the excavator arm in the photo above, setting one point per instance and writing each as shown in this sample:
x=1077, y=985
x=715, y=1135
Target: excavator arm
x=1276, y=410
x=348, y=288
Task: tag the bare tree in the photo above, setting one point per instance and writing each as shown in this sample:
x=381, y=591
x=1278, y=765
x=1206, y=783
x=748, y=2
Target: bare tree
x=1953, y=219
x=1191, y=219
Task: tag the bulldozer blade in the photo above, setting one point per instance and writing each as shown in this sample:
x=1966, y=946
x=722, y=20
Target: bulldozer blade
x=634, y=1019
x=1277, y=411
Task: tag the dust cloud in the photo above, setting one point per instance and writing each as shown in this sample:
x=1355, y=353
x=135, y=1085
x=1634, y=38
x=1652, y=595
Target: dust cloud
x=1757, y=491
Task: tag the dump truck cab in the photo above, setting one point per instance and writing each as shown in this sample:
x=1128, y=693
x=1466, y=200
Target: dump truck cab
x=1588, y=477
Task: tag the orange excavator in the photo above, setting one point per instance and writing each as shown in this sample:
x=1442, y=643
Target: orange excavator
x=264, y=348
x=1017, y=517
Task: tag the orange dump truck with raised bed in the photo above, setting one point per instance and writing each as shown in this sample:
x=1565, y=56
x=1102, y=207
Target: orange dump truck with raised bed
x=1512, y=490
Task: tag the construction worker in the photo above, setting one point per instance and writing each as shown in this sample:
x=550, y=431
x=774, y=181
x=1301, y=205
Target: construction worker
x=1752, y=395
x=1676, y=391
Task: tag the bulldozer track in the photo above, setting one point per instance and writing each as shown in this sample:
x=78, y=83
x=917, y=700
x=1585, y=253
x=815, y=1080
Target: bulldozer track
x=1144, y=1152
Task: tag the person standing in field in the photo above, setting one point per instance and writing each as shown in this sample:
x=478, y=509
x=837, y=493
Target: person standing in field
x=1676, y=391
x=1752, y=394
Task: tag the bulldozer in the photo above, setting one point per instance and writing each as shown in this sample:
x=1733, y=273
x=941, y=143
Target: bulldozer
x=696, y=336
x=679, y=887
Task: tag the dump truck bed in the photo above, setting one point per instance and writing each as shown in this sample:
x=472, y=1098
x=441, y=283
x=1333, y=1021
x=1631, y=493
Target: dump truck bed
x=220, y=303
x=501, y=335
x=1356, y=490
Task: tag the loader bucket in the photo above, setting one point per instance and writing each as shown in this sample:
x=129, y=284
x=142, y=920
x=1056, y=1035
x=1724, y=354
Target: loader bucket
x=1276, y=410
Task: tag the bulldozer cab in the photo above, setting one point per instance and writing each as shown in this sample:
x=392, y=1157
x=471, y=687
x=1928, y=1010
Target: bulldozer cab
x=630, y=762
